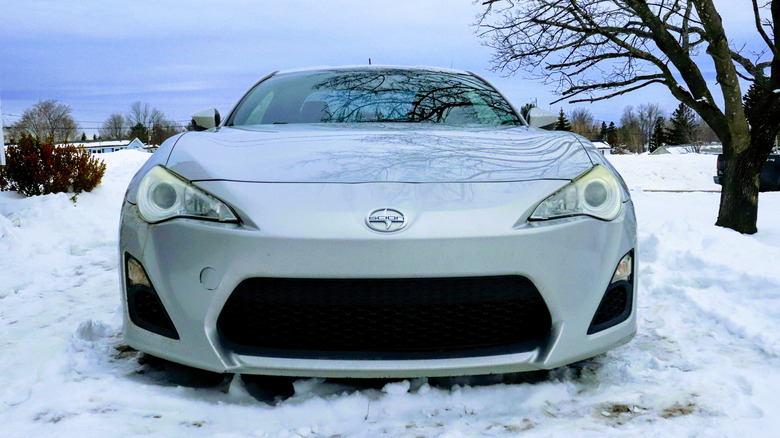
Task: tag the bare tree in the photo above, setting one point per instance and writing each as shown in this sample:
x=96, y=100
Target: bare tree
x=162, y=130
x=114, y=127
x=647, y=115
x=47, y=120
x=630, y=131
x=598, y=49
x=13, y=132
x=583, y=123
x=143, y=113
x=157, y=126
x=703, y=134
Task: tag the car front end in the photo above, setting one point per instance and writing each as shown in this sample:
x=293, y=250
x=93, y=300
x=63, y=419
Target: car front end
x=389, y=250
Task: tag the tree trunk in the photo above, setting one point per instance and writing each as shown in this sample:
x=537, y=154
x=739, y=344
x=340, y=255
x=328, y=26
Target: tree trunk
x=739, y=196
x=739, y=200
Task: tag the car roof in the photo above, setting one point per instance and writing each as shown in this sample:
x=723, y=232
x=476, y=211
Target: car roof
x=374, y=67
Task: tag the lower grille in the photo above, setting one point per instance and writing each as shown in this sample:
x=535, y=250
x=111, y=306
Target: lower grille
x=377, y=316
x=615, y=307
x=146, y=311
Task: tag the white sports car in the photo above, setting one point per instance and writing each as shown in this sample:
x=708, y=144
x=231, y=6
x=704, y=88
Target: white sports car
x=377, y=222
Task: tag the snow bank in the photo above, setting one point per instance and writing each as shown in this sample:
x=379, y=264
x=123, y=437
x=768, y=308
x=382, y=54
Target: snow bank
x=705, y=360
x=667, y=172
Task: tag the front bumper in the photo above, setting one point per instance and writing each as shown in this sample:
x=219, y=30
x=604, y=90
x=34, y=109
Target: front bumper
x=195, y=266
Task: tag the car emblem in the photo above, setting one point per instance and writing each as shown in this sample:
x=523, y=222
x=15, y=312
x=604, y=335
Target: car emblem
x=386, y=220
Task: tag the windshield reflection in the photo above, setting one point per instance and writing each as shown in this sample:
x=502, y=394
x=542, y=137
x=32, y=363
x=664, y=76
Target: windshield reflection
x=374, y=95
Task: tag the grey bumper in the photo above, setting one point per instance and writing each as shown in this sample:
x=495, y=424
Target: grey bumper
x=571, y=262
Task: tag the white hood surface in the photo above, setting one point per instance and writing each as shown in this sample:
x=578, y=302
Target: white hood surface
x=317, y=153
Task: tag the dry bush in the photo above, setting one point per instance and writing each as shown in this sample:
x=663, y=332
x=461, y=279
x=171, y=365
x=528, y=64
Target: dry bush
x=38, y=168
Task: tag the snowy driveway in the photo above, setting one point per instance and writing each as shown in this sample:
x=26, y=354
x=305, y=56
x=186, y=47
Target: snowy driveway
x=705, y=361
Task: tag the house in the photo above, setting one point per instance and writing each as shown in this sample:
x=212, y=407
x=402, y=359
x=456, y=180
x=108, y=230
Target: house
x=101, y=147
x=673, y=150
x=603, y=147
x=712, y=148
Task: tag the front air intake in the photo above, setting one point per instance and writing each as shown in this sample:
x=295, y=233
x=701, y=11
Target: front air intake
x=144, y=306
x=618, y=300
x=376, y=317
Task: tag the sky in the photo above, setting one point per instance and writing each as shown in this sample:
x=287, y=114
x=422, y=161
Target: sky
x=100, y=56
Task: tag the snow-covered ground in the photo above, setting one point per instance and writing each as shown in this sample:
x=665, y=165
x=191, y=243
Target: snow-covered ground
x=704, y=363
x=667, y=172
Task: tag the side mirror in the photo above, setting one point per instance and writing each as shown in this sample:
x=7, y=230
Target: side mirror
x=206, y=119
x=539, y=118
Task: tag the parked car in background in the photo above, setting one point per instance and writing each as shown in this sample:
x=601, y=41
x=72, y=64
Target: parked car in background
x=377, y=222
x=769, y=180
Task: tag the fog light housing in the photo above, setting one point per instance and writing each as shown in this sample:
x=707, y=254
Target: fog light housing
x=625, y=269
x=143, y=304
x=617, y=302
x=136, y=275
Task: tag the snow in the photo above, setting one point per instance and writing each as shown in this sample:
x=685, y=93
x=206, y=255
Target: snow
x=704, y=361
x=667, y=172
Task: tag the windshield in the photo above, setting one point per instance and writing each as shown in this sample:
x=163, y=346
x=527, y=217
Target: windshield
x=373, y=95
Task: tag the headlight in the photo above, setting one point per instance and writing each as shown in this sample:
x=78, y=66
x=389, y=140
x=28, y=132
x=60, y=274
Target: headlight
x=164, y=195
x=595, y=193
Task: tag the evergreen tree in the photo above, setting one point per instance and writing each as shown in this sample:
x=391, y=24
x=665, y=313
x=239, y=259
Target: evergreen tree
x=526, y=108
x=158, y=134
x=563, y=123
x=612, y=135
x=682, y=123
x=658, y=137
x=140, y=132
x=603, y=132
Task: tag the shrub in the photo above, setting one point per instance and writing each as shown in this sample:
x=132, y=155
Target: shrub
x=38, y=168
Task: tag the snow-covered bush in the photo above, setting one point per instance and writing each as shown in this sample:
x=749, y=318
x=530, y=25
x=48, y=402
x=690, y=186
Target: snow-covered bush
x=38, y=168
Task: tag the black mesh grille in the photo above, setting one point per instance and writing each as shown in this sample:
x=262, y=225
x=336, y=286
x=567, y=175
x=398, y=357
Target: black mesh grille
x=615, y=307
x=383, y=315
x=146, y=311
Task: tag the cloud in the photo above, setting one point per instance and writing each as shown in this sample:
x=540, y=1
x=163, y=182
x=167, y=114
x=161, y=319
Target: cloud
x=182, y=56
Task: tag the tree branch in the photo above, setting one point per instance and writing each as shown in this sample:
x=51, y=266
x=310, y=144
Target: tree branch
x=760, y=29
x=609, y=96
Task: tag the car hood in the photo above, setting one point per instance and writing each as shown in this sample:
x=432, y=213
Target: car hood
x=385, y=153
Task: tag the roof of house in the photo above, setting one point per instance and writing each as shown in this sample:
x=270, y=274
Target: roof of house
x=135, y=143
x=675, y=150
